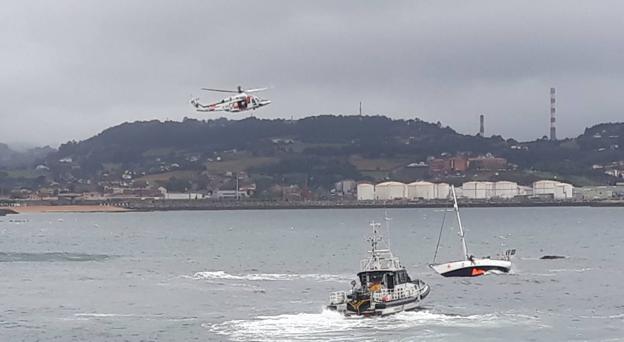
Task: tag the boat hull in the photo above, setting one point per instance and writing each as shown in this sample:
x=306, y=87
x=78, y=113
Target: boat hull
x=471, y=268
x=384, y=308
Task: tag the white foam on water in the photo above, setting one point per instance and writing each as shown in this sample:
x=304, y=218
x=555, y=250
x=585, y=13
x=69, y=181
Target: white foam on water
x=616, y=316
x=540, y=274
x=210, y=275
x=496, y=272
x=571, y=270
x=104, y=315
x=95, y=315
x=332, y=326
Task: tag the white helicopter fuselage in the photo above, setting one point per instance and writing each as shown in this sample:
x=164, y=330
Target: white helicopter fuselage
x=237, y=103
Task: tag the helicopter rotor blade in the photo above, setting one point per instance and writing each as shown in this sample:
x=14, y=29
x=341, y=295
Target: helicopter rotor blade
x=220, y=90
x=256, y=90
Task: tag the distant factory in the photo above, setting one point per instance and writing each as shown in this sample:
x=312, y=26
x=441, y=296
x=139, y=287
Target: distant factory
x=421, y=190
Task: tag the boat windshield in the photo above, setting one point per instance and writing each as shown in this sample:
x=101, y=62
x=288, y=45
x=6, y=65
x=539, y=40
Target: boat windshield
x=379, y=277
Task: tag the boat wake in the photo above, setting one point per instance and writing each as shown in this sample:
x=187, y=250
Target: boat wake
x=496, y=272
x=212, y=275
x=332, y=326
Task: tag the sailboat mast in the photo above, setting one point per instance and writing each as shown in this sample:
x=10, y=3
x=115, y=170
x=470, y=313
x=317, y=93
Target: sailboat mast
x=461, y=229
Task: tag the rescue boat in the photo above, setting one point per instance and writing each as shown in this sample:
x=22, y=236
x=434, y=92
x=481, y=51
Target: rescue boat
x=383, y=287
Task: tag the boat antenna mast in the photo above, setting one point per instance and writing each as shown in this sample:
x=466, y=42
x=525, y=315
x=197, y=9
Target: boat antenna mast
x=461, y=229
x=387, y=219
x=380, y=255
x=375, y=238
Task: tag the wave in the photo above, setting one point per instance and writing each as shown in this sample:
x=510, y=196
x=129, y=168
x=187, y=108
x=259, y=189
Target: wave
x=332, y=326
x=615, y=316
x=497, y=272
x=585, y=269
x=50, y=257
x=104, y=315
x=95, y=315
x=211, y=275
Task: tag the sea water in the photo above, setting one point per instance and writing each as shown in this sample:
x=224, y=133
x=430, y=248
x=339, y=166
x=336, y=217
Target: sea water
x=265, y=275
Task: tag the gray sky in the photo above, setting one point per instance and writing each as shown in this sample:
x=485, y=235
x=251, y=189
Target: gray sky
x=69, y=69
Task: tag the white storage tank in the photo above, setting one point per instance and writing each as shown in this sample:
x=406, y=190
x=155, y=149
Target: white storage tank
x=443, y=191
x=390, y=191
x=505, y=189
x=478, y=190
x=489, y=189
x=424, y=190
x=458, y=192
x=469, y=190
x=365, y=191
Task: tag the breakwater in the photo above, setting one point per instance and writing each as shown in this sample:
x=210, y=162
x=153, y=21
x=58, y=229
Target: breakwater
x=248, y=204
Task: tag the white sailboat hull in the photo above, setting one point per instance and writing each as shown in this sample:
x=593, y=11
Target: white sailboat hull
x=471, y=268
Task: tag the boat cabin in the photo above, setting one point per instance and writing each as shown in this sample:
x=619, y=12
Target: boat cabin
x=387, y=279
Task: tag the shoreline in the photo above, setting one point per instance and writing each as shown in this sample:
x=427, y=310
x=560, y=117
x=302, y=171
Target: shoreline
x=177, y=205
x=28, y=209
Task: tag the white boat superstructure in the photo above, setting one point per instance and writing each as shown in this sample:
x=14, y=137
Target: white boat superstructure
x=384, y=285
x=470, y=266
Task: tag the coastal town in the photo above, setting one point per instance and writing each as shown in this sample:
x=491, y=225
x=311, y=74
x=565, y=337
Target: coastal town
x=182, y=185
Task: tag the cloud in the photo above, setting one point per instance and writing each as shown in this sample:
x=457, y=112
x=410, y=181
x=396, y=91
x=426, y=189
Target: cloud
x=69, y=69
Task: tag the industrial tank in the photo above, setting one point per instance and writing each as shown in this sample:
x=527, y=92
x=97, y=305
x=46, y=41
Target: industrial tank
x=365, y=192
x=390, y=191
x=443, y=191
x=505, y=189
x=424, y=190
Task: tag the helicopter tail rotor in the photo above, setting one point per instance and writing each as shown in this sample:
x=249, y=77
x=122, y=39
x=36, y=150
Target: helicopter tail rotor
x=194, y=101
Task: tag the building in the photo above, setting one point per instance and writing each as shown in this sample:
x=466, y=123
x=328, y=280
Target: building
x=184, y=196
x=525, y=190
x=231, y=194
x=390, y=191
x=346, y=187
x=365, y=191
x=488, y=162
x=458, y=163
x=449, y=164
x=438, y=166
x=595, y=192
x=557, y=189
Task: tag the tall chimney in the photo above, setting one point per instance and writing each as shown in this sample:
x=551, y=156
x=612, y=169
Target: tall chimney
x=553, y=130
x=482, y=125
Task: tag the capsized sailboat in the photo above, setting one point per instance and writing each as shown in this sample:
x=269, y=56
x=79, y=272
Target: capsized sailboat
x=470, y=266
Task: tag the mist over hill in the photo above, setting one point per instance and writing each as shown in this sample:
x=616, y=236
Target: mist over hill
x=11, y=158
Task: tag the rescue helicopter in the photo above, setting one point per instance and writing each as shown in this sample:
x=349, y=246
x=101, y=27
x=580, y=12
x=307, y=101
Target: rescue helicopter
x=239, y=102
